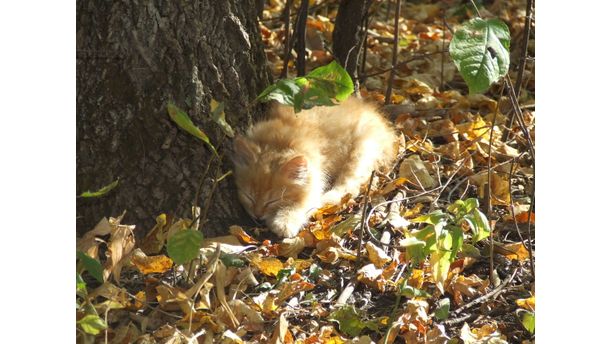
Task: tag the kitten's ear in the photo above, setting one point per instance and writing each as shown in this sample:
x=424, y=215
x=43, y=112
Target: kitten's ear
x=295, y=169
x=244, y=152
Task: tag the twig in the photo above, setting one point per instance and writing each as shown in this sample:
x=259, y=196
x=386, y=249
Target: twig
x=519, y=115
x=288, y=40
x=489, y=209
x=522, y=63
x=300, y=33
x=394, y=60
x=363, y=217
x=399, y=64
x=488, y=295
x=455, y=321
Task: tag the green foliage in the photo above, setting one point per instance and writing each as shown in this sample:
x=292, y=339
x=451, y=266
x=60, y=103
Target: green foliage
x=441, y=313
x=92, y=266
x=92, y=324
x=407, y=290
x=350, y=322
x=318, y=87
x=184, y=246
x=181, y=118
x=528, y=321
x=481, y=51
x=232, y=260
x=101, y=192
x=442, y=238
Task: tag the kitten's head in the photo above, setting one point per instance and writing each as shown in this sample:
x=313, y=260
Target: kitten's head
x=268, y=180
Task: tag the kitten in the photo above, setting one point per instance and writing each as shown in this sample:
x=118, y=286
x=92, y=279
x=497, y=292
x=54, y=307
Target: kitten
x=292, y=164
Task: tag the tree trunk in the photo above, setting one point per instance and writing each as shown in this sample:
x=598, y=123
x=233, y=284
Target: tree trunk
x=133, y=57
x=347, y=33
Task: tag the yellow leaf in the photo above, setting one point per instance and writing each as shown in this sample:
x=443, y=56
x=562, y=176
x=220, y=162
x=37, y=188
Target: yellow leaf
x=515, y=251
x=152, y=264
x=268, y=266
x=528, y=304
x=243, y=236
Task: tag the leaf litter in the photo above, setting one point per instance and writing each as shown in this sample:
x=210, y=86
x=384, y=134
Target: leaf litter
x=407, y=283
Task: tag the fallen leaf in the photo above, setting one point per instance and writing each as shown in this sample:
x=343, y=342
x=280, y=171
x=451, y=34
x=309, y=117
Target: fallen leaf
x=243, y=236
x=152, y=264
x=268, y=266
x=528, y=304
x=377, y=255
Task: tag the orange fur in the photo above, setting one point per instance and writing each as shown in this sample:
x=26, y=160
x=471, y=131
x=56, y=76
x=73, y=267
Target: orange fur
x=292, y=164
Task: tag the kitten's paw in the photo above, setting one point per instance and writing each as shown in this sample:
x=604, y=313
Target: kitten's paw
x=287, y=224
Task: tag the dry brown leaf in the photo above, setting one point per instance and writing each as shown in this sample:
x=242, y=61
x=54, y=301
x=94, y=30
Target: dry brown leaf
x=291, y=288
x=472, y=286
x=88, y=243
x=377, y=255
x=243, y=236
x=485, y=334
x=120, y=245
x=171, y=299
x=500, y=189
x=514, y=251
x=281, y=333
x=154, y=241
x=416, y=173
x=152, y=264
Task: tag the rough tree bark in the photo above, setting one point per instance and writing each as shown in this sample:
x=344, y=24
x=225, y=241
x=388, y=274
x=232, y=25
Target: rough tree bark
x=132, y=58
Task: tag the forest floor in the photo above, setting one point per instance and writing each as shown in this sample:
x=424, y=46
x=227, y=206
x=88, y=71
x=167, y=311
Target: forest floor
x=339, y=281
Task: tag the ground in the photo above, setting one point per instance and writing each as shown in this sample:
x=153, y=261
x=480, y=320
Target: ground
x=440, y=258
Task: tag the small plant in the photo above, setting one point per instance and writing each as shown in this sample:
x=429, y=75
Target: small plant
x=443, y=236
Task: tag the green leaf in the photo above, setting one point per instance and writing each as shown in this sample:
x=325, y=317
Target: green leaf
x=92, y=324
x=457, y=236
x=480, y=50
x=334, y=79
x=410, y=291
x=92, y=266
x=484, y=230
x=218, y=115
x=528, y=321
x=319, y=87
x=351, y=222
x=232, y=260
x=441, y=313
x=440, y=264
x=415, y=249
x=184, y=246
x=81, y=287
x=103, y=191
x=181, y=118
x=348, y=320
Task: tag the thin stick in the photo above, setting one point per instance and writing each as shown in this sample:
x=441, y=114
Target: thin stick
x=288, y=39
x=395, y=45
x=399, y=64
x=488, y=295
x=522, y=63
x=363, y=217
x=489, y=209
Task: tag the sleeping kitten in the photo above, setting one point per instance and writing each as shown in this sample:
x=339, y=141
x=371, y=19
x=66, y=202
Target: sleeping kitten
x=292, y=164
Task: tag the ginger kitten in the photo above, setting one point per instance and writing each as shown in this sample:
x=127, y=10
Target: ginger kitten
x=292, y=164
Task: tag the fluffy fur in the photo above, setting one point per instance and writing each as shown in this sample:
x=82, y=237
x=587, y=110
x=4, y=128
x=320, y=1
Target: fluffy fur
x=292, y=164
